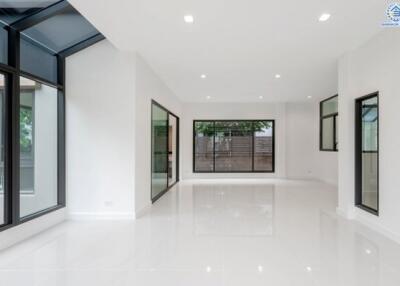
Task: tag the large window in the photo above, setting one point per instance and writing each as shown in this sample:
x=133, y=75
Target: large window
x=38, y=147
x=225, y=146
x=329, y=124
x=35, y=39
x=367, y=153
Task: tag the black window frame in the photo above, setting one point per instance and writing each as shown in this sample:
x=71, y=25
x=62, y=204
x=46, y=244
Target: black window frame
x=12, y=72
x=322, y=117
x=214, y=155
x=358, y=153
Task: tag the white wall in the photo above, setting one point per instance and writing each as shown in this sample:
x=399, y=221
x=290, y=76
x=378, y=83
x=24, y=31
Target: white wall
x=304, y=160
x=148, y=86
x=326, y=162
x=373, y=67
x=211, y=110
x=301, y=141
x=100, y=132
x=296, y=138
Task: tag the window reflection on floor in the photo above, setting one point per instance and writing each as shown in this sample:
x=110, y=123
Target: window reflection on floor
x=234, y=210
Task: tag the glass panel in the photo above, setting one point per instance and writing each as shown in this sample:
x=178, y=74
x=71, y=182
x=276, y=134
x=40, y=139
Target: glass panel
x=369, y=160
x=172, y=150
x=37, y=61
x=328, y=133
x=62, y=31
x=2, y=133
x=330, y=106
x=204, y=146
x=38, y=147
x=233, y=146
x=159, y=180
x=3, y=45
x=14, y=10
x=263, y=146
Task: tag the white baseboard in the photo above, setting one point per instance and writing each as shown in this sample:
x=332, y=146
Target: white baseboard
x=380, y=229
x=143, y=211
x=101, y=216
x=352, y=215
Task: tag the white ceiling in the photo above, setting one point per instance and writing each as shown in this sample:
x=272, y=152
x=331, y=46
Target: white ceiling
x=240, y=44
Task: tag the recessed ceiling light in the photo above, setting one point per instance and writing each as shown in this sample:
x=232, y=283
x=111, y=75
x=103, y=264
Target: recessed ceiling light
x=189, y=19
x=324, y=17
x=277, y=76
x=260, y=268
x=309, y=96
x=208, y=97
x=309, y=269
x=203, y=76
x=261, y=97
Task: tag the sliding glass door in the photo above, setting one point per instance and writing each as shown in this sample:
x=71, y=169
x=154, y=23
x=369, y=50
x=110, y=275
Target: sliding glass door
x=367, y=153
x=165, y=152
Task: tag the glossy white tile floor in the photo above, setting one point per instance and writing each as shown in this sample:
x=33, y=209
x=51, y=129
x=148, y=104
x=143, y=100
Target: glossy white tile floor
x=213, y=233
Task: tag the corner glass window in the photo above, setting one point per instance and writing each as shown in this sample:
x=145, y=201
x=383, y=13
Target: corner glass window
x=35, y=60
x=62, y=31
x=3, y=45
x=38, y=147
x=12, y=11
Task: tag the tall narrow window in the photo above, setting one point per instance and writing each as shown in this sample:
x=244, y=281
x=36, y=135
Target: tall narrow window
x=38, y=147
x=224, y=146
x=263, y=146
x=329, y=124
x=203, y=146
x=367, y=153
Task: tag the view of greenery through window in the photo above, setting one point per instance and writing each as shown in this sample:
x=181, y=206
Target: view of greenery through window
x=26, y=128
x=233, y=146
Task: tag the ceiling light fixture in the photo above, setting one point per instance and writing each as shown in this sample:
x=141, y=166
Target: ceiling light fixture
x=261, y=97
x=203, y=76
x=208, y=97
x=277, y=76
x=189, y=19
x=309, y=96
x=324, y=17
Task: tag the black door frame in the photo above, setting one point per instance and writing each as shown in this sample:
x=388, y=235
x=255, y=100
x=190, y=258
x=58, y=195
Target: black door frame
x=154, y=199
x=358, y=154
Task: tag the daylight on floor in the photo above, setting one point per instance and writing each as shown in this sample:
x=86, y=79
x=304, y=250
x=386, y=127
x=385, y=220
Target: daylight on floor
x=199, y=143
